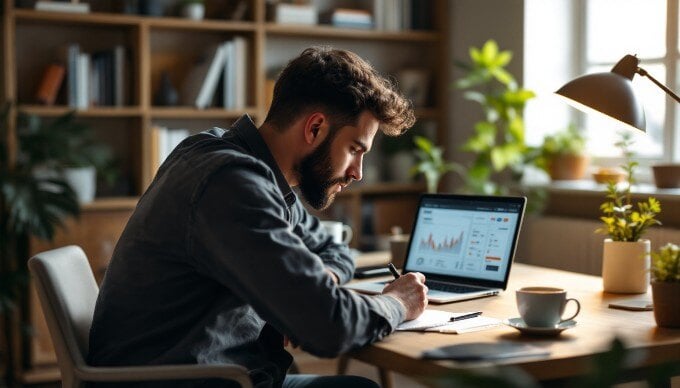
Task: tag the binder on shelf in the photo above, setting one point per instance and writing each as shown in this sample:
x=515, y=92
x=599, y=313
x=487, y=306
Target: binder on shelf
x=50, y=84
x=119, y=72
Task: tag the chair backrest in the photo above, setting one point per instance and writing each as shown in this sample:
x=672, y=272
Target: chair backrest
x=68, y=293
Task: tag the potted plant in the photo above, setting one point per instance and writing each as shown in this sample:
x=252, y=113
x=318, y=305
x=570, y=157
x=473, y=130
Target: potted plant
x=431, y=163
x=666, y=285
x=68, y=148
x=562, y=154
x=30, y=205
x=193, y=9
x=498, y=139
x=626, y=256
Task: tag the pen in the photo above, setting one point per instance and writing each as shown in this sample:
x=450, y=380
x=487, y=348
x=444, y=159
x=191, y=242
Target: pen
x=394, y=271
x=466, y=316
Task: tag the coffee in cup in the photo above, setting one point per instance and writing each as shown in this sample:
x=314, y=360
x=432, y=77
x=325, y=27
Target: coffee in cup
x=544, y=306
x=342, y=234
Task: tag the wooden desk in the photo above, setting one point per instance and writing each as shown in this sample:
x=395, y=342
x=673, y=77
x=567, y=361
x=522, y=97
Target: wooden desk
x=572, y=353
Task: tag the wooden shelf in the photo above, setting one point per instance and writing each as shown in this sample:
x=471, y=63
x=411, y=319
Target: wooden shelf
x=173, y=45
x=315, y=31
x=50, y=111
x=112, y=203
x=427, y=113
x=114, y=19
x=77, y=18
x=194, y=113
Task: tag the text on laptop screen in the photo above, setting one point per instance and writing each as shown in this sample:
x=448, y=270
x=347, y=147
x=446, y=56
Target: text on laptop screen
x=467, y=238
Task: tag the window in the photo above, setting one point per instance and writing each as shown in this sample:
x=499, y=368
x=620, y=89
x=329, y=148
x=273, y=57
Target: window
x=565, y=39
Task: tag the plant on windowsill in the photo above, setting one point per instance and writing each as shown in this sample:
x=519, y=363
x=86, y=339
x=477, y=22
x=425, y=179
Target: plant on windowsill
x=562, y=154
x=626, y=256
x=666, y=285
x=30, y=205
x=498, y=140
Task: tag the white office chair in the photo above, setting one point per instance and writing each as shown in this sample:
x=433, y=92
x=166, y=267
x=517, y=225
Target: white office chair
x=68, y=293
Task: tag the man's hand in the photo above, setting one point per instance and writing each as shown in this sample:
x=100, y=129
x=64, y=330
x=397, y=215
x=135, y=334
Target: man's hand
x=411, y=291
x=333, y=276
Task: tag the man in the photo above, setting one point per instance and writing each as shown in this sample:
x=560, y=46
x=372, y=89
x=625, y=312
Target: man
x=220, y=261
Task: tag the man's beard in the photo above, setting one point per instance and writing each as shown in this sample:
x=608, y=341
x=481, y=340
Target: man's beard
x=316, y=176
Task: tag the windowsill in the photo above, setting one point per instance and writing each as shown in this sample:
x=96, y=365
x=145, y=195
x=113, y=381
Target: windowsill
x=582, y=199
x=590, y=186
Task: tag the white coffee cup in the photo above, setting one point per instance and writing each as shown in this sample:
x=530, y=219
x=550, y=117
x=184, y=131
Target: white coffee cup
x=342, y=234
x=543, y=306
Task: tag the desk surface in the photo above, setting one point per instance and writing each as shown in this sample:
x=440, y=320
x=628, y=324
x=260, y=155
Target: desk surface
x=571, y=353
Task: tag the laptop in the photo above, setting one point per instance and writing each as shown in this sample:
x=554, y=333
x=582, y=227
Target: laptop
x=463, y=244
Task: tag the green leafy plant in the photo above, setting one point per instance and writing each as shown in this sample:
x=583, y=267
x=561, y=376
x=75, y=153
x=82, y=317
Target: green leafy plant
x=431, y=163
x=569, y=141
x=64, y=143
x=666, y=264
x=622, y=222
x=30, y=205
x=498, y=140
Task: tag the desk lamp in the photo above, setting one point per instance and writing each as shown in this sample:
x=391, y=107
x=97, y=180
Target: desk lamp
x=612, y=93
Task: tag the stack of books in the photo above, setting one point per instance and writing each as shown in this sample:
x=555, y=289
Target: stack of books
x=164, y=142
x=95, y=79
x=398, y=15
x=223, y=68
x=351, y=18
x=296, y=14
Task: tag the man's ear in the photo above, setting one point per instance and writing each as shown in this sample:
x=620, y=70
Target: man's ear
x=314, y=127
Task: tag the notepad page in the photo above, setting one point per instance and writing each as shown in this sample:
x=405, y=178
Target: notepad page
x=431, y=319
x=467, y=325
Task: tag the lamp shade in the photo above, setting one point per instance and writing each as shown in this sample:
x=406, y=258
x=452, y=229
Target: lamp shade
x=608, y=93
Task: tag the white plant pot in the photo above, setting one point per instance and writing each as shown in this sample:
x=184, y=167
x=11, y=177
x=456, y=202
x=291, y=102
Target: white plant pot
x=83, y=180
x=625, y=266
x=194, y=11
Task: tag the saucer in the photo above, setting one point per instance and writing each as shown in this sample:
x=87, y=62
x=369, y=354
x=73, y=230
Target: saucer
x=519, y=324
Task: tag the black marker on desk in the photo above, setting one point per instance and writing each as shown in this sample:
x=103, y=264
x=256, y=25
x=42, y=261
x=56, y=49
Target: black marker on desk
x=394, y=271
x=466, y=316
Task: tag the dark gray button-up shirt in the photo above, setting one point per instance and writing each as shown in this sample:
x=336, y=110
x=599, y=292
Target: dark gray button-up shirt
x=219, y=259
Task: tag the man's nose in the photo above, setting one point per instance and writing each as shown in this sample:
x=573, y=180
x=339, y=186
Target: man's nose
x=355, y=169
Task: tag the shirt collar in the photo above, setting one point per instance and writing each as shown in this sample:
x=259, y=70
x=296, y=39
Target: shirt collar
x=246, y=130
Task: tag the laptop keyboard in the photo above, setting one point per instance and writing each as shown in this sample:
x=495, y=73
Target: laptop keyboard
x=448, y=287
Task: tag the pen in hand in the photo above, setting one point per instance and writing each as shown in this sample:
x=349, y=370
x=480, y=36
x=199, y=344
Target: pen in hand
x=393, y=269
x=466, y=316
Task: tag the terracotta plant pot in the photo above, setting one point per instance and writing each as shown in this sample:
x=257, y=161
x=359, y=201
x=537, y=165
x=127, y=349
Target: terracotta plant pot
x=666, y=175
x=665, y=296
x=568, y=167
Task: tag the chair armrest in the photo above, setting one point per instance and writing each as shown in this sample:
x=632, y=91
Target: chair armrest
x=165, y=372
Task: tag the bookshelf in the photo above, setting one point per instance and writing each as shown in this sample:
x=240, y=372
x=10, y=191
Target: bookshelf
x=171, y=44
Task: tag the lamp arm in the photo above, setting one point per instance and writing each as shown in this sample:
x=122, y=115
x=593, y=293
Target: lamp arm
x=644, y=73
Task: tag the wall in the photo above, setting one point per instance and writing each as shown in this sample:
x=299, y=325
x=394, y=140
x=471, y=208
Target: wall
x=473, y=22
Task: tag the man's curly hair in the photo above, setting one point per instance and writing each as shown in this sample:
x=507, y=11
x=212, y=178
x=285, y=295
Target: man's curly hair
x=342, y=85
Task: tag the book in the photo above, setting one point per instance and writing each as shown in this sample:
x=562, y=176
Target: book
x=83, y=81
x=50, y=84
x=166, y=140
x=240, y=71
x=296, y=14
x=62, y=6
x=199, y=86
x=119, y=76
x=72, y=53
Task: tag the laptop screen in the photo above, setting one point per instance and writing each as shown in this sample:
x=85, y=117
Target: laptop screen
x=470, y=237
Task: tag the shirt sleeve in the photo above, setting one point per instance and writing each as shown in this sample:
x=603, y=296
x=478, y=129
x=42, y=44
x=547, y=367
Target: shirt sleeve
x=335, y=257
x=240, y=237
